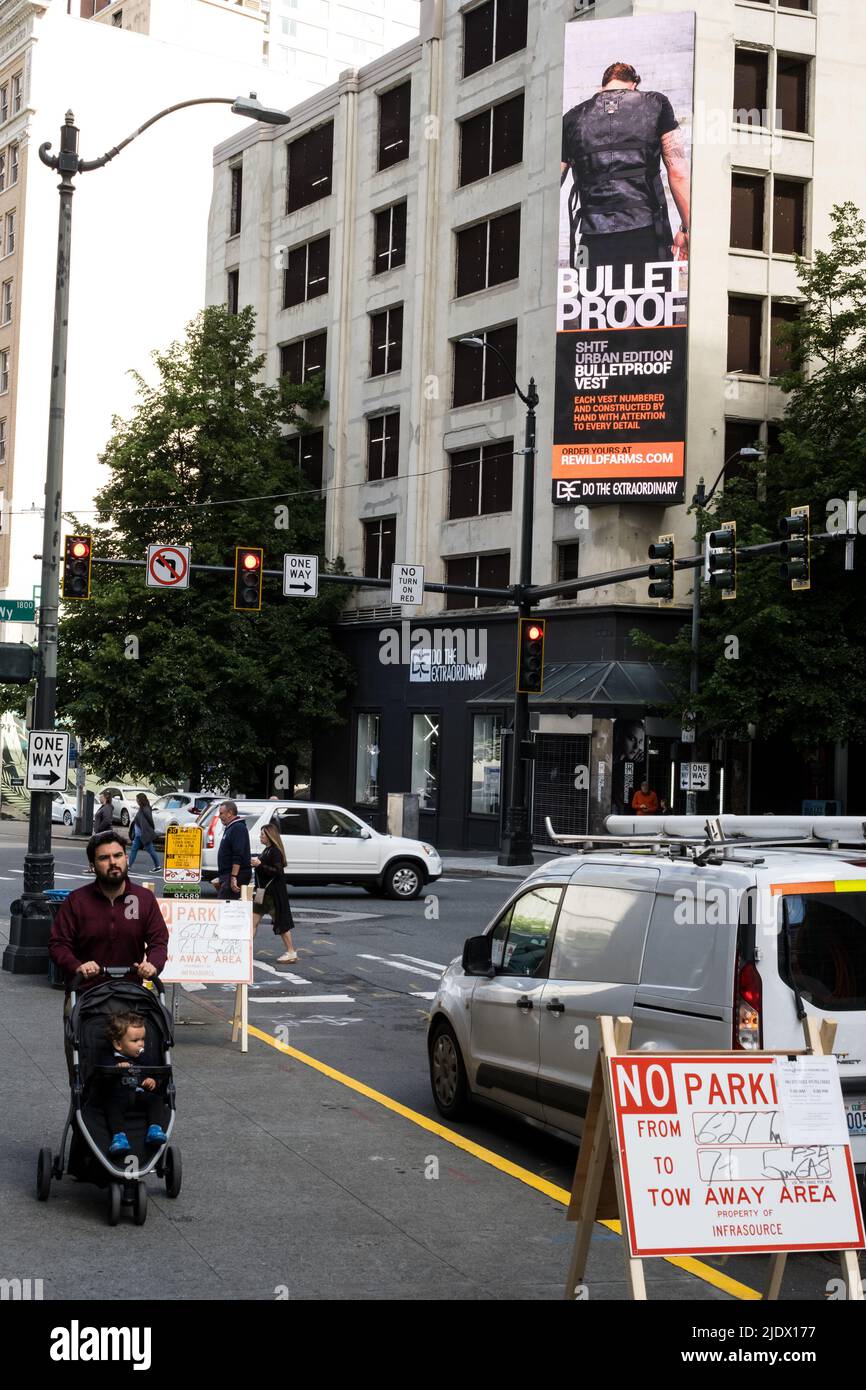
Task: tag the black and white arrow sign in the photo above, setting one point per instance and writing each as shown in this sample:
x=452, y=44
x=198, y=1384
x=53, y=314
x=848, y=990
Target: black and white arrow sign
x=47, y=760
x=300, y=576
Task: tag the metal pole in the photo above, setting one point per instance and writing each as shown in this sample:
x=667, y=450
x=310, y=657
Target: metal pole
x=516, y=846
x=30, y=919
x=698, y=501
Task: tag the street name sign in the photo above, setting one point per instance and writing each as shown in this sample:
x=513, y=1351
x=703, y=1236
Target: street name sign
x=301, y=576
x=18, y=610
x=47, y=760
x=182, y=863
x=407, y=584
x=168, y=566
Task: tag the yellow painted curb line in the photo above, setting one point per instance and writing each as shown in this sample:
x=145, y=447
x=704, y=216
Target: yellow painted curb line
x=514, y=1170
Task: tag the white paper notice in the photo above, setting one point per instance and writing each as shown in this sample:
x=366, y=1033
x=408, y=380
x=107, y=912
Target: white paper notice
x=811, y=1101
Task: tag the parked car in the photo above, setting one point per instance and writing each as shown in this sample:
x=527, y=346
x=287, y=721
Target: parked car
x=124, y=804
x=63, y=808
x=180, y=808
x=325, y=844
x=714, y=947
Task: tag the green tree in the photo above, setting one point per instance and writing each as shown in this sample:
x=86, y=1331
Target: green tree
x=797, y=664
x=173, y=685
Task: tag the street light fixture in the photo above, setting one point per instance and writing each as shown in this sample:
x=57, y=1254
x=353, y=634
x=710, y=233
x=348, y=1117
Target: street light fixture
x=30, y=919
x=516, y=843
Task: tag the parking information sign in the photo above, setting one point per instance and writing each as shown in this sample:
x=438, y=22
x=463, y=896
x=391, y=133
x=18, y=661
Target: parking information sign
x=183, y=854
x=734, y=1155
x=47, y=760
x=168, y=566
x=300, y=576
x=208, y=942
x=407, y=584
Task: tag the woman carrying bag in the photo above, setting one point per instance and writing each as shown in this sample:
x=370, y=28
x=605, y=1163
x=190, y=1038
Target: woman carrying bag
x=271, y=895
x=142, y=831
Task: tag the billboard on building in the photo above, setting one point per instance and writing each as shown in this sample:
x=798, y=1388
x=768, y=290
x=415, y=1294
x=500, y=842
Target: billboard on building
x=622, y=284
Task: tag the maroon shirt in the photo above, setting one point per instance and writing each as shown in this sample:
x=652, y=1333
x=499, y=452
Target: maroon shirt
x=90, y=927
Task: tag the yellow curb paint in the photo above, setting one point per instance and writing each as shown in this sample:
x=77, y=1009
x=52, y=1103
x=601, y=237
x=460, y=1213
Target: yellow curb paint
x=514, y=1170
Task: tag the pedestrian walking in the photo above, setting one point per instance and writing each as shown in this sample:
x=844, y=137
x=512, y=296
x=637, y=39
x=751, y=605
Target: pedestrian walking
x=104, y=818
x=143, y=832
x=271, y=895
x=234, y=863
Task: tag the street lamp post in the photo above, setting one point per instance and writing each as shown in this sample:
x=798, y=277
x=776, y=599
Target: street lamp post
x=30, y=919
x=516, y=844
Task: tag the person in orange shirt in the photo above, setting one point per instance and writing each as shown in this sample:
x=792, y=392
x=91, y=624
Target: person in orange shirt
x=645, y=802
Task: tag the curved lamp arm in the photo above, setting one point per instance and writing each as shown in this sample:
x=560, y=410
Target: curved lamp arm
x=530, y=398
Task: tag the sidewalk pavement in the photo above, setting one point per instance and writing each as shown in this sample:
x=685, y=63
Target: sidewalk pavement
x=481, y=865
x=294, y=1186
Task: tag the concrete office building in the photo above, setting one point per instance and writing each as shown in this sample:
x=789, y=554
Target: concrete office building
x=418, y=200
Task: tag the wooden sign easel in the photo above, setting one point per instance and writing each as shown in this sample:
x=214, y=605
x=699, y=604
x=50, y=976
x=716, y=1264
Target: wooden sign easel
x=240, y=1016
x=597, y=1191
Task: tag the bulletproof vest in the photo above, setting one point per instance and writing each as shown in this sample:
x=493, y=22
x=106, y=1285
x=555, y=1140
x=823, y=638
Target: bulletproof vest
x=614, y=151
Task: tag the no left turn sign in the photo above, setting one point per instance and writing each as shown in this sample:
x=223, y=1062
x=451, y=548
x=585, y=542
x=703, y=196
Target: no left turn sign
x=168, y=566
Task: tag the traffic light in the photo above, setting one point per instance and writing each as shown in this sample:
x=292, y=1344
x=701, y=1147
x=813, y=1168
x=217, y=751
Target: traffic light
x=77, y=556
x=248, y=578
x=720, y=559
x=530, y=656
x=796, y=550
x=663, y=573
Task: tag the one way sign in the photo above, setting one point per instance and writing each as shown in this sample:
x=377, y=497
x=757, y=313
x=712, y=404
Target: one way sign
x=47, y=761
x=300, y=576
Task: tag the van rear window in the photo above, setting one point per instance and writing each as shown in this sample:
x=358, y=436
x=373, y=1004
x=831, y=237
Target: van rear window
x=822, y=948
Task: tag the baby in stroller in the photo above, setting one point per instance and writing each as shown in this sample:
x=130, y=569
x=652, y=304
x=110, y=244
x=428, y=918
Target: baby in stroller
x=125, y=1032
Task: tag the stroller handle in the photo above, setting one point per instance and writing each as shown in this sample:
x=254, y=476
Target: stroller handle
x=114, y=972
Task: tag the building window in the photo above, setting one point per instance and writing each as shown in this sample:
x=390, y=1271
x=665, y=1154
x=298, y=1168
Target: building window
x=6, y=311
x=782, y=356
x=232, y=290
x=367, y=760
x=2, y=170
x=792, y=90
x=10, y=233
x=789, y=217
x=484, y=571
x=394, y=109
x=390, y=238
x=2, y=441
x=310, y=164
x=491, y=141
x=237, y=197
x=305, y=452
x=747, y=212
x=306, y=273
x=745, y=317
x=493, y=31
x=13, y=164
x=481, y=480
x=4, y=370
x=424, y=777
x=486, y=763
x=386, y=341
x=379, y=547
x=488, y=253
x=567, y=558
x=383, y=446
x=750, y=86
x=4, y=103
x=479, y=375
x=304, y=358
x=16, y=94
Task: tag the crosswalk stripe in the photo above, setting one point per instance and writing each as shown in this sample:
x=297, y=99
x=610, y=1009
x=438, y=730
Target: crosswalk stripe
x=397, y=965
x=301, y=999
x=417, y=960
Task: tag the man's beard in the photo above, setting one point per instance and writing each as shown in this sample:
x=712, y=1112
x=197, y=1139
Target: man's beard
x=111, y=877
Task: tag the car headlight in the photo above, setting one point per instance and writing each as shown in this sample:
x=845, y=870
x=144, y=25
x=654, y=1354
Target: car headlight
x=428, y=849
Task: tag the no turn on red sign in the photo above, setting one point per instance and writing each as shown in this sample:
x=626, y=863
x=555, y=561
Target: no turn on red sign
x=168, y=566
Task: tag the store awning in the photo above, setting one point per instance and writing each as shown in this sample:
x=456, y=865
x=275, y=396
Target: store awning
x=597, y=687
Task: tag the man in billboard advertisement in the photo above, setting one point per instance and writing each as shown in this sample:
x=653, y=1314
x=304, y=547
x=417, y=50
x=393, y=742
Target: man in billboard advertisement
x=622, y=300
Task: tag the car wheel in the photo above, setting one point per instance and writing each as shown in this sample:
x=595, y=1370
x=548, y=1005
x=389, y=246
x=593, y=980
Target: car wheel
x=124, y=818
x=67, y=817
x=173, y=1171
x=43, y=1174
x=402, y=880
x=113, y=1203
x=448, y=1074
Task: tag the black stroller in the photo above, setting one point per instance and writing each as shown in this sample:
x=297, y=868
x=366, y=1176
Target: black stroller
x=89, y=1160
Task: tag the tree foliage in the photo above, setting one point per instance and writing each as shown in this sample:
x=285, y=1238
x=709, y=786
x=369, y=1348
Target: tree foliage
x=177, y=685
x=797, y=664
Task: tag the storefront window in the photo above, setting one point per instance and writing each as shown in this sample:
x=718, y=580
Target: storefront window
x=486, y=763
x=425, y=760
x=367, y=761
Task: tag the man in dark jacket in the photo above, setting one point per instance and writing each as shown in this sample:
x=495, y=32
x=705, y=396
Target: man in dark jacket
x=613, y=144
x=234, y=862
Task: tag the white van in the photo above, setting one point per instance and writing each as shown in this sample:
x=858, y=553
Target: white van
x=703, y=944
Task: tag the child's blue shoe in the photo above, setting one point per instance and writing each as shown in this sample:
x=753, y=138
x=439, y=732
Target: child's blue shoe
x=119, y=1144
x=156, y=1135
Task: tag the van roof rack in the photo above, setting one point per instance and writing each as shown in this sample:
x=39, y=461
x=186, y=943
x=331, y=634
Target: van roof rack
x=710, y=844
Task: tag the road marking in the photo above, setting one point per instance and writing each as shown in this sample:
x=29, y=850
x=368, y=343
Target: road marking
x=422, y=994
x=396, y=965
x=302, y=999
x=418, y=961
x=7, y=877
x=548, y=1189
x=280, y=974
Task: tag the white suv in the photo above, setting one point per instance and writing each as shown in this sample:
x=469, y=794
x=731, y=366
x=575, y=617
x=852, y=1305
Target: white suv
x=123, y=802
x=326, y=844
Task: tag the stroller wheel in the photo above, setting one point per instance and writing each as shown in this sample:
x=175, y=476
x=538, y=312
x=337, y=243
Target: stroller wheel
x=43, y=1174
x=173, y=1171
x=140, y=1205
x=113, y=1203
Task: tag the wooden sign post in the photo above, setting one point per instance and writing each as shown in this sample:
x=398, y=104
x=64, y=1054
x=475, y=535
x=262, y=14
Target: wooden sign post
x=736, y=1154
x=240, y=1016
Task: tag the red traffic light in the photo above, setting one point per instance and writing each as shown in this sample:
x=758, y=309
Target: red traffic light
x=80, y=549
x=251, y=561
x=534, y=632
